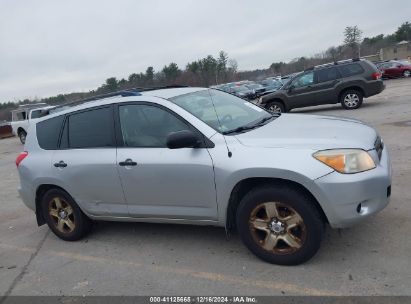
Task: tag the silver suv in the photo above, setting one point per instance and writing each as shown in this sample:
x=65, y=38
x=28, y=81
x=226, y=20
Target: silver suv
x=201, y=156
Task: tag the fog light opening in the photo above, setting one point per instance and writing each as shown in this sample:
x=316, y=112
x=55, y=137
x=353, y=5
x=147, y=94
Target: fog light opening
x=359, y=208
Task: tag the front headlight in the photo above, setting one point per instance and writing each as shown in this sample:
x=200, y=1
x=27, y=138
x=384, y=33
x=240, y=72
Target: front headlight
x=346, y=160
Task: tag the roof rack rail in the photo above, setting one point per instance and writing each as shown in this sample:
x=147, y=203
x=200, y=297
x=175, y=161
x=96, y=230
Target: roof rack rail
x=122, y=93
x=333, y=63
x=176, y=86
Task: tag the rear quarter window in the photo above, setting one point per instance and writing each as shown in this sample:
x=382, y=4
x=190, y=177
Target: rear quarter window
x=351, y=69
x=48, y=132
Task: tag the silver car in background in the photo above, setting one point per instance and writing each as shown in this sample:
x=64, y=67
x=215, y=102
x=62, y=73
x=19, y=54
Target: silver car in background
x=201, y=156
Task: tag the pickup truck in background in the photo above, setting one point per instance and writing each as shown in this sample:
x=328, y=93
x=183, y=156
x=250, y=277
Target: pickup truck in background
x=21, y=118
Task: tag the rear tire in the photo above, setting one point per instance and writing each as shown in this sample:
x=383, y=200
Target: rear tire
x=280, y=225
x=275, y=107
x=406, y=73
x=22, y=136
x=351, y=99
x=63, y=216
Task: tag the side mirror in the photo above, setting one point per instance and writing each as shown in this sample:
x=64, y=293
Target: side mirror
x=290, y=88
x=182, y=139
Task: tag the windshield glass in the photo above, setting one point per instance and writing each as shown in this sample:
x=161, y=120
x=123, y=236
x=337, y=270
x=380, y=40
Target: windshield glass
x=272, y=83
x=230, y=112
x=240, y=89
x=253, y=86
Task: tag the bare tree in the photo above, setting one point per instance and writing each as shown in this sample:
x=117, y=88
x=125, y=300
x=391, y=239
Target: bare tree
x=353, y=39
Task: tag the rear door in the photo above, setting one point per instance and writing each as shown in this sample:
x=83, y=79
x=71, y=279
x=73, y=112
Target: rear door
x=160, y=182
x=85, y=164
x=326, y=81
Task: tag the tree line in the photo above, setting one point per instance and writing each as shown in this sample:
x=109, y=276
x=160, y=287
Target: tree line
x=212, y=70
x=353, y=46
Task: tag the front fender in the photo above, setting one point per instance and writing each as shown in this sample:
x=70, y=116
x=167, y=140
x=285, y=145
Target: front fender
x=296, y=165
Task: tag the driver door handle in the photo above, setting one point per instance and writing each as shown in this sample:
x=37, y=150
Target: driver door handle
x=60, y=164
x=127, y=162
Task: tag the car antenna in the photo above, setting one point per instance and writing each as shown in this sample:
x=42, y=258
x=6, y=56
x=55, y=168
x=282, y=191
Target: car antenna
x=229, y=153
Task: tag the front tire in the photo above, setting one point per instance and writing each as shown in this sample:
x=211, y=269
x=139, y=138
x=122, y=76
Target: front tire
x=63, y=216
x=406, y=73
x=275, y=107
x=280, y=225
x=22, y=136
x=351, y=99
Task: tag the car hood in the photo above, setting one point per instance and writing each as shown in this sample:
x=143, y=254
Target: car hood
x=310, y=132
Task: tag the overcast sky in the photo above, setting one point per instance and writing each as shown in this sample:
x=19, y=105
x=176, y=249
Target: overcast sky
x=50, y=47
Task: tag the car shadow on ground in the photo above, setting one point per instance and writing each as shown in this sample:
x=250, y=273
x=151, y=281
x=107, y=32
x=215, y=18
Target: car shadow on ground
x=334, y=107
x=337, y=245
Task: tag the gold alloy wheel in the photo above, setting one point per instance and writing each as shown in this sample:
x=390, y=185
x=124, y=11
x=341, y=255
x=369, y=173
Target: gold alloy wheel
x=61, y=214
x=277, y=228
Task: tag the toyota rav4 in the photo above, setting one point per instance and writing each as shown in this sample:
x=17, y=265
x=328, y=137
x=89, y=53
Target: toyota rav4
x=205, y=157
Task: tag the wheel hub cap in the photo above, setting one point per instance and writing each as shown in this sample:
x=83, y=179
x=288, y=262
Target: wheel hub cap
x=277, y=226
x=275, y=109
x=63, y=214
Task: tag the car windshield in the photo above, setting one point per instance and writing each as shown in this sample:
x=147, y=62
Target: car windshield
x=240, y=89
x=223, y=112
x=272, y=83
x=254, y=86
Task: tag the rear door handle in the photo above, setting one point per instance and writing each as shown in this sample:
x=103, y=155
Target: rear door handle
x=127, y=162
x=60, y=164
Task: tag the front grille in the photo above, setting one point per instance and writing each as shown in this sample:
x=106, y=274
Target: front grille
x=379, y=146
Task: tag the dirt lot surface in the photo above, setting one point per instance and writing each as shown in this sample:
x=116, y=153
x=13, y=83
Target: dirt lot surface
x=372, y=258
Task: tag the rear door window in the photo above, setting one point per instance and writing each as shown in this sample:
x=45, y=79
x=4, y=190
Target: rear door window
x=90, y=129
x=350, y=69
x=327, y=74
x=20, y=116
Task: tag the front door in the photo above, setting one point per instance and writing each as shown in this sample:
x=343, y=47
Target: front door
x=159, y=182
x=302, y=90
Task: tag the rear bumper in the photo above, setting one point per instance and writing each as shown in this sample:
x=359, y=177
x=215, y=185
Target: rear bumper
x=27, y=196
x=349, y=198
x=374, y=88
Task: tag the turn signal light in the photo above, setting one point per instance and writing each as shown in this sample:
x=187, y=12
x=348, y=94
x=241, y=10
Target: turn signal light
x=20, y=157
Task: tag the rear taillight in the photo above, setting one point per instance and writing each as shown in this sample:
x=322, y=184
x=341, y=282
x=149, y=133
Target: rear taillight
x=376, y=76
x=21, y=156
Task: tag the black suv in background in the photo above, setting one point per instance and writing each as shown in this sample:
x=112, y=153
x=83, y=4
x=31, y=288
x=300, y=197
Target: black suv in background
x=345, y=81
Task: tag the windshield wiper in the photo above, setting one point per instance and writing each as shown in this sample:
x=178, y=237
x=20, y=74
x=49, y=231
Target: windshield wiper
x=264, y=120
x=250, y=126
x=239, y=129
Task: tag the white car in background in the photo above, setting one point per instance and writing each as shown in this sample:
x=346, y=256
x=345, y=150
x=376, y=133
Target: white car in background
x=21, y=118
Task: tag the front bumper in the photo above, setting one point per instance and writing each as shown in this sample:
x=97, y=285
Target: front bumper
x=349, y=198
